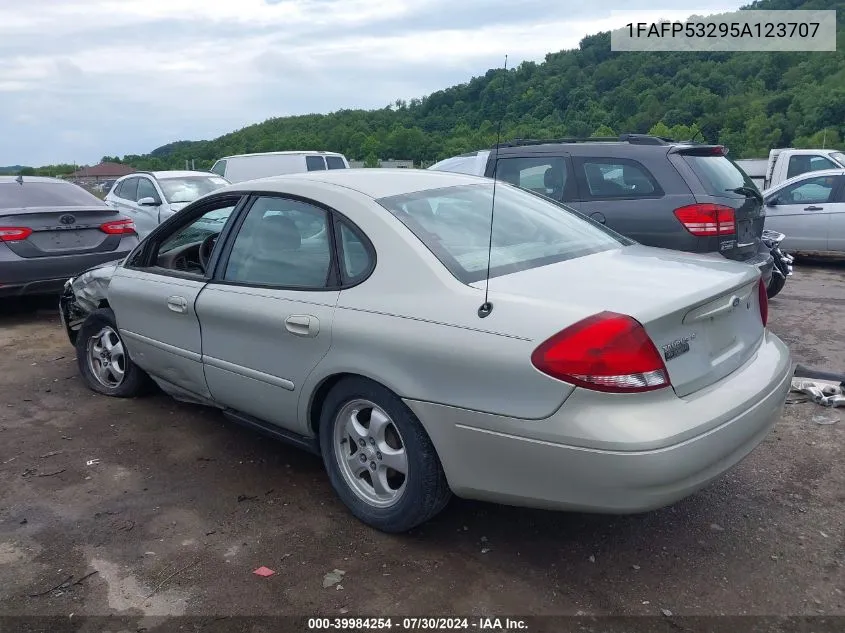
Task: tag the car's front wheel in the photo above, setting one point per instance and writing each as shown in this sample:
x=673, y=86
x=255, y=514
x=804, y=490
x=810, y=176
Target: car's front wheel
x=103, y=360
x=379, y=458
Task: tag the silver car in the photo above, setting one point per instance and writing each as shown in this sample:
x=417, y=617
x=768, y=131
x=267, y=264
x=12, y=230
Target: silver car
x=347, y=311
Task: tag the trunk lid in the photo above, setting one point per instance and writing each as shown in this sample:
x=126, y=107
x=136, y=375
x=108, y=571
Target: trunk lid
x=62, y=230
x=701, y=311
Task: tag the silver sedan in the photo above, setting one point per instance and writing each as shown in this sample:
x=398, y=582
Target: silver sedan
x=427, y=338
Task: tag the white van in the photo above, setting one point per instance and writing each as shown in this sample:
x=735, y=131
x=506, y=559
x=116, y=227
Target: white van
x=251, y=166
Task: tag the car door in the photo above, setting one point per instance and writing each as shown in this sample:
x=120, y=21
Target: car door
x=802, y=212
x=267, y=315
x=148, y=214
x=154, y=295
x=836, y=226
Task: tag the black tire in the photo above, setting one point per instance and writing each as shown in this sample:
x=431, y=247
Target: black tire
x=426, y=489
x=135, y=381
x=775, y=285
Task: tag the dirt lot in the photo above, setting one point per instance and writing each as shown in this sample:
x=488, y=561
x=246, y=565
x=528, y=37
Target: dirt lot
x=181, y=506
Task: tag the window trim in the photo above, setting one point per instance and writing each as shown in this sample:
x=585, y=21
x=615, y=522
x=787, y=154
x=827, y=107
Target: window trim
x=586, y=195
x=190, y=214
x=334, y=278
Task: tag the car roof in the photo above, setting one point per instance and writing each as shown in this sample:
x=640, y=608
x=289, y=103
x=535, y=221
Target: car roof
x=287, y=153
x=373, y=182
x=808, y=174
x=26, y=179
x=177, y=173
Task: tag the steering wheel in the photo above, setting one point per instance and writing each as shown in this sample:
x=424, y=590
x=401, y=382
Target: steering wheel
x=206, y=248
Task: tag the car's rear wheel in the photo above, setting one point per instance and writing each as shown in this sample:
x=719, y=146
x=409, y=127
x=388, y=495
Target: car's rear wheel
x=379, y=458
x=104, y=361
x=775, y=285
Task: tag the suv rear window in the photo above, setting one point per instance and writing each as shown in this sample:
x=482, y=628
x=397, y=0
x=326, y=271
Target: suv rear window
x=45, y=194
x=718, y=174
x=528, y=230
x=315, y=163
x=335, y=162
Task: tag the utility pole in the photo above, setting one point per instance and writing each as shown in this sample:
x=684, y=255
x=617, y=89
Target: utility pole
x=193, y=164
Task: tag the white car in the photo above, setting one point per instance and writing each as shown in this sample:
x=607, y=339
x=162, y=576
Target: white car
x=263, y=165
x=150, y=197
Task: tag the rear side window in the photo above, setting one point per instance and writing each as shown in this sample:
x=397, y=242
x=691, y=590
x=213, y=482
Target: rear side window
x=718, y=174
x=315, y=163
x=802, y=164
x=547, y=176
x=335, y=162
x=608, y=178
x=45, y=194
x=129, y=189
x=528, y=230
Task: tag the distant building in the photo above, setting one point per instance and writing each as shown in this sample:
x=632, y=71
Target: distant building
x=100, y=173
x=387, y=164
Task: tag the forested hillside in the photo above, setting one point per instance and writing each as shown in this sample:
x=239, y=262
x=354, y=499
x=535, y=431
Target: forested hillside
x=749, y=101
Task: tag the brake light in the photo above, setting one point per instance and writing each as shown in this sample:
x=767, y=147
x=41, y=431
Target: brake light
x=705, y=219
x=118, y=227
x=764, y=302
x=605, y=352
x=14, y=233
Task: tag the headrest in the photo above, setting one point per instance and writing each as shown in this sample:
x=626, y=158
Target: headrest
x=552, y=179
x=279, y=232
x=419, y=209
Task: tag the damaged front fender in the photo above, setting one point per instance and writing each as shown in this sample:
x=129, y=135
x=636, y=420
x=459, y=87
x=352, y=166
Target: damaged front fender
x=84, y=294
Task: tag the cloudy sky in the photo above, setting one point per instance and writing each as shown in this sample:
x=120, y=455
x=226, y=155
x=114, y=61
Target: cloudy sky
x=85, y=78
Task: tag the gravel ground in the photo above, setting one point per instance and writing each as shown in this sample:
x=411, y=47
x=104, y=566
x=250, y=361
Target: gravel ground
x=171, y=507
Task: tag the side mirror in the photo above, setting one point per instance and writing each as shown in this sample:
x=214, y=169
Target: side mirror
x=148, y=202
x=772, y=202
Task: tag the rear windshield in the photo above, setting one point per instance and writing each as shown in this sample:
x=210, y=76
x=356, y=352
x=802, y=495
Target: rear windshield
x=45, y=194
x=189, y=189
x=719, y=175
x=335, y=162
x=528, y=230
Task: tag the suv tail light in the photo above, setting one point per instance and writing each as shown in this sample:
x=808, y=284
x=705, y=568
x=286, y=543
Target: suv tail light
x=605, y=352
x=764, y=302
x=706, y=220
x=118, y=227
x=14, y=233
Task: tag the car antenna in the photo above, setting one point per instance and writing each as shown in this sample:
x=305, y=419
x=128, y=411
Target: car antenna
x=486, y=308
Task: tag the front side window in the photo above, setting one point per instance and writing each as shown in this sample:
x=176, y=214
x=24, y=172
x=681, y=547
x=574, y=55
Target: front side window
x=811, y=191
x=528, y=230
x=146, y=189
x=183, y=190
x=803, y=163
x=335, y=162
x=219, y=168
x=616, y=178
x=315, y=163
x=546, y=176
x=282, y=242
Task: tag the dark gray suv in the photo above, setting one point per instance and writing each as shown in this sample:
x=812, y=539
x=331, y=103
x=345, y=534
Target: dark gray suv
x=682, y=196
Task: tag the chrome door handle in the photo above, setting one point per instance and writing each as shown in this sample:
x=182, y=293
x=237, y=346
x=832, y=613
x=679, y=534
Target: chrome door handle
x=177, y=304
x=813, y=208
x=302, y=325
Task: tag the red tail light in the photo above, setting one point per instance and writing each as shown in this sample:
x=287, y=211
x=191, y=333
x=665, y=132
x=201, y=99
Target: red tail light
x=605, y=352
x=764, y=302
x=118, y=227
x=14, y=233
x=705, y=220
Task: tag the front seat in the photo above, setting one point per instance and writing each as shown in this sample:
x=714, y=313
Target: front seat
x=553, y=182
x=274, y=255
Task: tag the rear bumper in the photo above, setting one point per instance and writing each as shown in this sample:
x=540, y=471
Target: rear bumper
x=47, y=275
x=613, y=454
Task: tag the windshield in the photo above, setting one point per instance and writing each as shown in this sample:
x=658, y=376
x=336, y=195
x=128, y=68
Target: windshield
x=528, y=230
x=839, y=157
x=45, y=194
x=189, y=188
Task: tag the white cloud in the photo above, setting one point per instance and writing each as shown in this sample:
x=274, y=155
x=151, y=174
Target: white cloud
x=83, y=78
